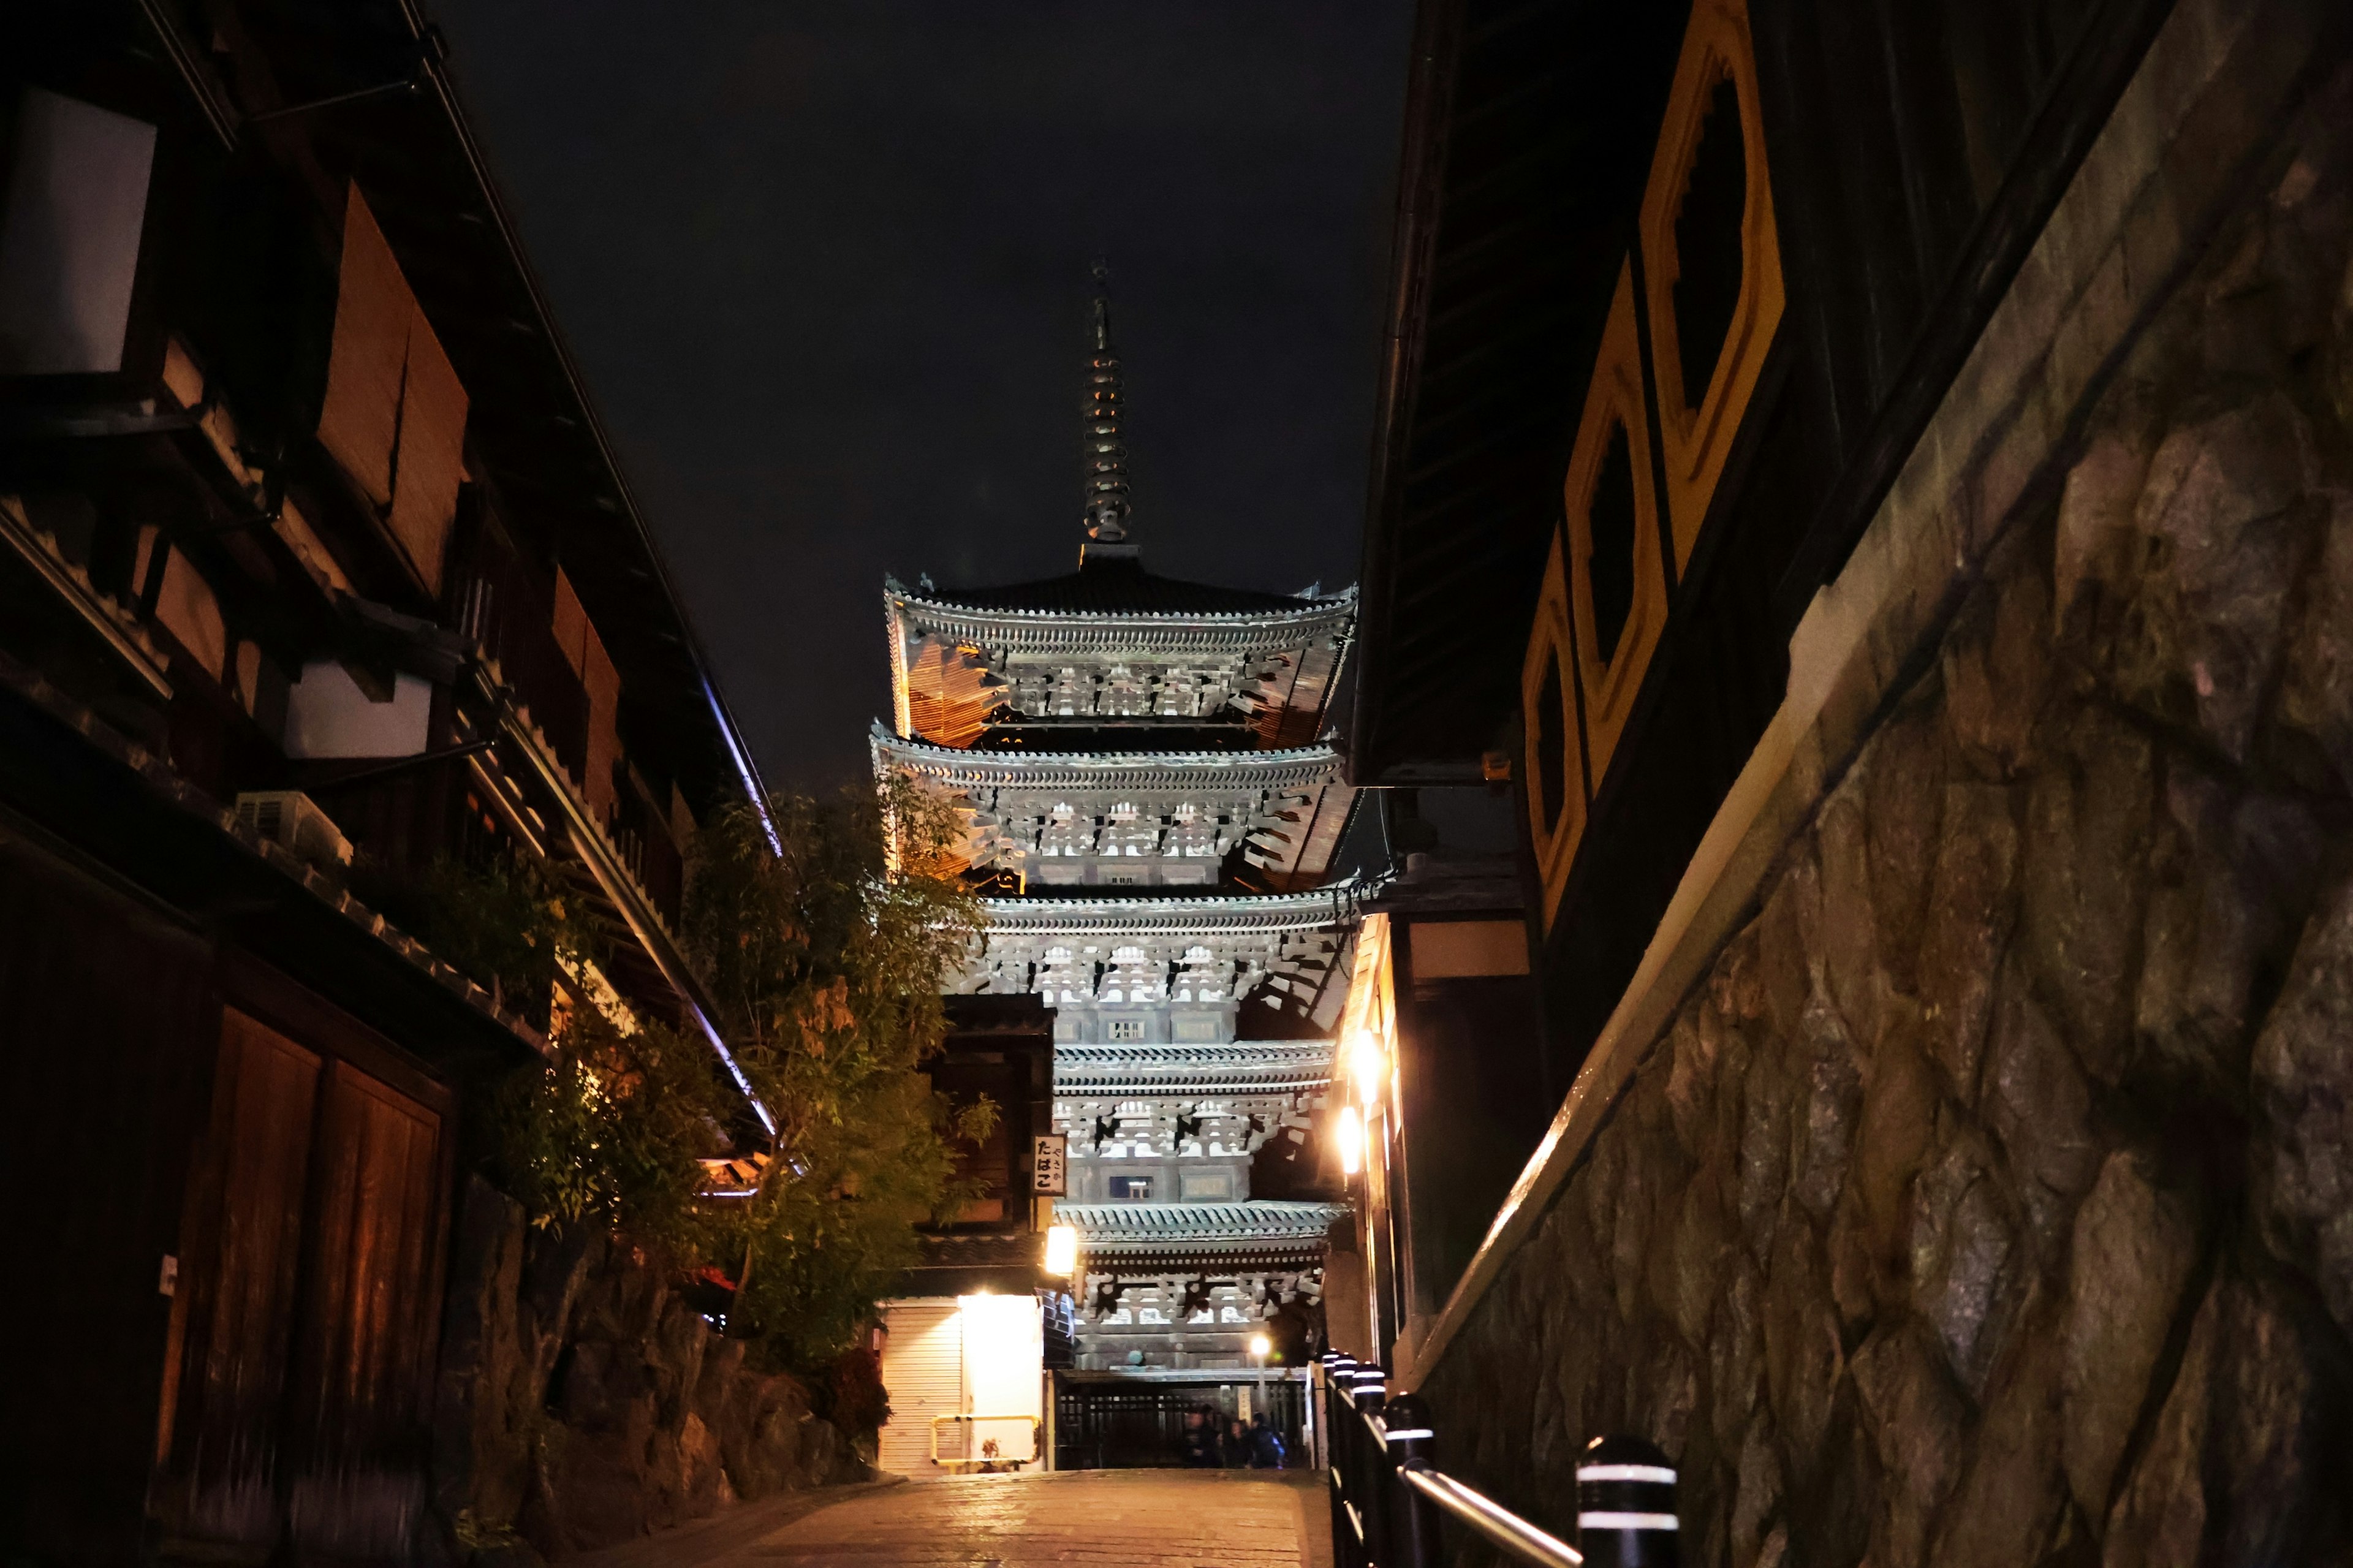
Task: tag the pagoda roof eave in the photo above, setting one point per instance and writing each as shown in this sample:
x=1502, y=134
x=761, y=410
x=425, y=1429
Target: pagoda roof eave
x=1246, y=1224
x=957, y=761
x=1309, y=910
x=1286, y=1067
x=1335, y=605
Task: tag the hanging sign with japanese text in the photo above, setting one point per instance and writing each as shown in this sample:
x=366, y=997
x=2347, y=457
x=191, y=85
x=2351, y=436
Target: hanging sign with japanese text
x=1048, y=1176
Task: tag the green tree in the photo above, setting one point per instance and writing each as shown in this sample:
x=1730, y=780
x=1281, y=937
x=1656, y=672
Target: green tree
x=827, y=954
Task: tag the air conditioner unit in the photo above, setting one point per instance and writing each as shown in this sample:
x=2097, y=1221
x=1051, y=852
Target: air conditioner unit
x=294, y=819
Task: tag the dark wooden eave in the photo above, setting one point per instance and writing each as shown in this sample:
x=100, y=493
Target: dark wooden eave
x=533, y=432
x=1529, y=132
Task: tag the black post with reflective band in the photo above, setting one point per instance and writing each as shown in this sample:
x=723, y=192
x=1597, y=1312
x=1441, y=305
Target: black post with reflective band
x=1626, y=1505
x=1411, y=1525
x=1368, y=1392
x=1339, y=1424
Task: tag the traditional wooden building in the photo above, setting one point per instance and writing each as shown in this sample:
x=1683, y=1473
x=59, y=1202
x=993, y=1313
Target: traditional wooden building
x=315, y=566
x=1155, y=820
x=1867, y=479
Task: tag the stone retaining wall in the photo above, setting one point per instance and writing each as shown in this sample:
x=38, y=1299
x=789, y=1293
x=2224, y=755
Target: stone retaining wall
x=582, y=1403
x=1990, y=1199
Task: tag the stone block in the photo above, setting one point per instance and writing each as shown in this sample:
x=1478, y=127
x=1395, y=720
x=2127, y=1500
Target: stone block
x=1851, y=967
x=2134, y=1247
x=2302, y=1153
x=2220, y=531
x=1898, y=1123
x=1972, y=907
x=1692, y=1053
x=2313, y=710
x=2038, y=1104
x=1917, y=1419
x=1803, y=1355
x=1904, y=796
x=2089, y=816
x=2095, y=533
x=1961, y=1240
x=1823, y=1130
x=1757, y=1497
x=2232, y=878
x=2159, y=1520
x=2009, y=1504
x=1994, y=663
x=2276, y=1442
x=1735, y=1353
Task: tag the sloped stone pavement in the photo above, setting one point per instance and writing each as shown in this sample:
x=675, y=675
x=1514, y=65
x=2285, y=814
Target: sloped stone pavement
x=1120, y=1518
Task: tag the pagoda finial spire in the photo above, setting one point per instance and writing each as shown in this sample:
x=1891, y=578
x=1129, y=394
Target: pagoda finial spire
x=1106, y=481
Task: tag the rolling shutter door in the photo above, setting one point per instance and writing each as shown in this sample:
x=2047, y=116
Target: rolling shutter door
x=923, y=1372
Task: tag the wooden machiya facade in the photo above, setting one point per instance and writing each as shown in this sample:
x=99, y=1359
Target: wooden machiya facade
x=1673, y=388
x=1703, y=317
x=314, y=566
x=1157, y=827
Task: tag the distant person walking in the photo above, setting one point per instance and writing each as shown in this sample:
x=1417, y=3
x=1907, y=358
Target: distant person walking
x=1198, y=1445
x=1266, y=1452
x=1234, y=1445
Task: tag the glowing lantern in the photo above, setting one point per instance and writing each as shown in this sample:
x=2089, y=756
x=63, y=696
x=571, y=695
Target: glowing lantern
x=1061, y=1250
x=1367, y=1066
x=1352, y=1141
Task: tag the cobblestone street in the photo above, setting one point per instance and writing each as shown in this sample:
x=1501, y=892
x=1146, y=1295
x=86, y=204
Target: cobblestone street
x=1131, y=1518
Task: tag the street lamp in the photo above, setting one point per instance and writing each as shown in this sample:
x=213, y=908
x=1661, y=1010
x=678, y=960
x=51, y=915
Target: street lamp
x=1259, y=1347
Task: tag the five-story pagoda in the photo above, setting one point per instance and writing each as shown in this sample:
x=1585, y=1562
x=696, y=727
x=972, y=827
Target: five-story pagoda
x=1154, y=815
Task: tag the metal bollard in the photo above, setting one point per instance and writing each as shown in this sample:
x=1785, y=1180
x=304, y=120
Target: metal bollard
x=1626, y=1505
x=1368, y=1392
x=1339, y=1442
x=1410, y=1527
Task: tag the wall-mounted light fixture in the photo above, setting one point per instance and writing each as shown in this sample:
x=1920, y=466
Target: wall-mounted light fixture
x=1062, y=1250
x=1352, y=1141
x=1367, y=1066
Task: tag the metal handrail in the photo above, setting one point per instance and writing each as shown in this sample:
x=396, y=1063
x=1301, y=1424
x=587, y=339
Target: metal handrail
x=1489, y=1518
x=1388, y=1498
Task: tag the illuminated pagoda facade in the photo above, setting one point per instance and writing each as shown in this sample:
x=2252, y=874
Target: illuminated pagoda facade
x=1154, y=815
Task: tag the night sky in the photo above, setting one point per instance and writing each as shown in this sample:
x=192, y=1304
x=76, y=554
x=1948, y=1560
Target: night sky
x=826, y=269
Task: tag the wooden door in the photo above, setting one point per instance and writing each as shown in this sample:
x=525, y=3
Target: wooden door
x=355, y=1409
x=312, y=1281
x=241, y=1269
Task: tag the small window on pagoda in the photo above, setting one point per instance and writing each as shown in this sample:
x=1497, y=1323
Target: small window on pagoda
x=1129, y=1189
x=1123, y=1029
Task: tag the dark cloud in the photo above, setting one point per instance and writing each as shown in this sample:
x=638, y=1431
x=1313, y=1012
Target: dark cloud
x=825, y=268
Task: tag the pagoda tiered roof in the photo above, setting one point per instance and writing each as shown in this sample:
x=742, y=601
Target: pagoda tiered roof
x=1245, y=1066
x=1254, y=1230
x=1109, y=769
x=1273, y=623
x=1122, y=587
x=1162, y=916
